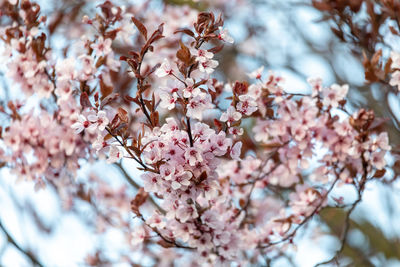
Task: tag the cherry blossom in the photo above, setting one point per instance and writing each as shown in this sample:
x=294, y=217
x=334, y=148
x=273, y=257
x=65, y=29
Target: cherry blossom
x=198, y=104
x=193, y=156
x=167, y=100
x=190, y=90
x=164, y=70
x=227, y=171
x=247, y=105
x=256, y=74
x=102, y=47
x=395, y=56
x=100, y=121
x=115, y=154
x=235, y=151
x=334, y=94
x=231, y=115
x=208, y=65
x=224, y=35
x=81, y=124
x=138, y=236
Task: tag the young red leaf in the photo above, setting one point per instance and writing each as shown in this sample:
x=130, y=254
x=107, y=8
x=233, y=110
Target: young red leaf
x=84, y=100
x=142, y=29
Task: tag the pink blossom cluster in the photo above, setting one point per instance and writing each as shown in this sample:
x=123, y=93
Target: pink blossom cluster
x=25, y=67
x=41, y=145
x=228, y=169
x=41, y=149
x=188, y=185
x=305, y=137
x=303, y=130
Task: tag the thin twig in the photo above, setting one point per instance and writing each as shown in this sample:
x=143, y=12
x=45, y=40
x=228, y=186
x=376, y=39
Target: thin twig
x=347, y=219
x=172, y=242
x=306, y=219
x=128, y=150
x=344, y=235
x=29, y=254
x=189, y=131
x=132, y=182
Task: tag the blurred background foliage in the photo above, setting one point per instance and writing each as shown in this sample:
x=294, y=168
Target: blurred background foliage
x=332, y=39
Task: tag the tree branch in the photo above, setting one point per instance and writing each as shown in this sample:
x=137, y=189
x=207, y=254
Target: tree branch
x=132, y=182
x=306, y=219
x=27, y=253
x=347, y=219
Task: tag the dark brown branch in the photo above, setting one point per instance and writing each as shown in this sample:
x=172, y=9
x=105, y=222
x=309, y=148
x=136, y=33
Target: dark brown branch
x=305, y=220
x=140, y=81
x=253, y=183
x=346, y=228
x=144, y=109
x=171, y=242
x=27, y=253
x=128, y=150
x=189, y=131
x=132, y=182
x=344, y=234
x=199, y=42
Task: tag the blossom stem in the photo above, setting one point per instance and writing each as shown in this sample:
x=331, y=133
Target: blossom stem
x=172, y=242
x=144, y=109
x=128, y=150
x=317, y=208
x=135, y=185
x=189, y=130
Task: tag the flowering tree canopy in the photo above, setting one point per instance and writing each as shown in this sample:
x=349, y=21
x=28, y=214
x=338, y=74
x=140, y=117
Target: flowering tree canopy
x=228, y=171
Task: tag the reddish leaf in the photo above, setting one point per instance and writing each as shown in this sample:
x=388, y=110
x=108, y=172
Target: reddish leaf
x=376, y=57
x=139, y=200
x=142, y=29
x=388, y=66
x=155, y=118
x=379, y=173
x=100, y=62
x=321, y=6
x=186, y=31
x=157, y=34
x=131, y=99
x=108, y=99
x=153, y=69
x=85, y=102
x=123, y=114
x=105, y=89
x=393, y=30
x=183, y=54
x=165, y=244
x=216, y=49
